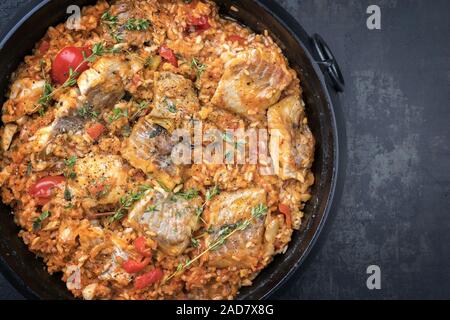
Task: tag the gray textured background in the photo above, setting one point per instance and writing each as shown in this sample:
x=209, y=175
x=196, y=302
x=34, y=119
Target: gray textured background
x=395, y=206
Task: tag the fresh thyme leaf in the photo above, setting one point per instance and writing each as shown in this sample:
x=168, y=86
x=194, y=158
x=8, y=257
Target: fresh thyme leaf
x=118, y=113
x=71, y=161
x=127, y=201
x=151, y=208
x=67, y=194
x=199, y=212
x=189, y=194
x=29, y=168
x=109, y=19
x=198, y=67
x=46, y=97
x=69, y=206
x=118, y=37
x=88, y=112
x=137, y=24
x=259, y=211
x=211, y=193
x=195, y=243
x=37, y=224
x=97, y=50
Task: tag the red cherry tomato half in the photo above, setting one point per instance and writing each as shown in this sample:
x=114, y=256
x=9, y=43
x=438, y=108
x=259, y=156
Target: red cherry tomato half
x=199, y=24
x=148, y=278
x=141, y=247
x=168, y=55
x=69, y=58
x=42, y=189
x=96, y=130
x=133, y=266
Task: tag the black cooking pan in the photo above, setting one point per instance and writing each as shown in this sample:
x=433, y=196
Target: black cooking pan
x=321, y=80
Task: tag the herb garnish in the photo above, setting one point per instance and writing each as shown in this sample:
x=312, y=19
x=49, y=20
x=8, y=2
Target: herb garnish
x=195, y=243
x=45, y=99
x=70, y=163
x=118, y=113
x=67, y=194
x=137, y=24
x=88, y=111
x=109, y=19
x=189, y=194
x=29, y=168
x=198, y=67
x=140, y=108
x=211, y=193
x=37, y=224
x=223, y=234
x=127, y=201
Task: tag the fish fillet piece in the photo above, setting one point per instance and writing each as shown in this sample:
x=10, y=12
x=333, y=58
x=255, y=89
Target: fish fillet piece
x=252, y=82
x=169, y=218
x=100, y=179
x=174, y=97
x=244, y=247
x=149, y=148
x=291, y=140
x=103, y=84
x=23, y=99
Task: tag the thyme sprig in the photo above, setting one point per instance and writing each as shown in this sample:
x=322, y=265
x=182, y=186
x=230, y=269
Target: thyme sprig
x=127, y=201
x=132, y=24
x=137, y=24
x=70, y=164
x=199, y=67
x=225, y=232
x=117, y=114
x=37, y=224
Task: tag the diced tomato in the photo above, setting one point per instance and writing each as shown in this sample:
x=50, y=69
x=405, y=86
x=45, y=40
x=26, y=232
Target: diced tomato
x=148, y=278
x=43, y=48
x=69, y=58
x=96, y=130
x=236, y=38
x=141, y=247
x=167, y=54
x=133, y=266
x=284, y=209
x=96, y=189
x=199, y=24
x=42, y=189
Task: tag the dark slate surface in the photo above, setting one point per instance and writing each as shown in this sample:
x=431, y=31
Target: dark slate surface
x=395, y=206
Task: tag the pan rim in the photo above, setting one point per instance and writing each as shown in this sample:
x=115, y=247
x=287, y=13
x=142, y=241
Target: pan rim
x=297, y=32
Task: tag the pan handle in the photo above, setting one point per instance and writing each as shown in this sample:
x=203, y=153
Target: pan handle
x=328, y=63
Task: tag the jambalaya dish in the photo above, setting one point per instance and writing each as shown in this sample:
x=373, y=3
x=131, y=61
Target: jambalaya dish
x=90, y=142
